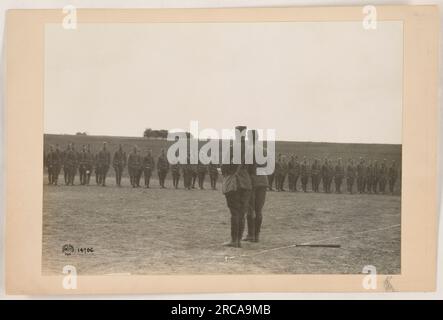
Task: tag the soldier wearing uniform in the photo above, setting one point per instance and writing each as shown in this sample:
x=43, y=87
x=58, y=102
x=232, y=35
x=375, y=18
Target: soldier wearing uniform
x=369, y=176
x=89, y=164
x=315, y=175
x=383, y=173
x=70, y=164
x=148, y=167
x=304, y=174
x=175, y=171
x=271, y=179
x=325, y=175
x=350, y=175
x=65, y=170
x=361, y=172
x=201, y=171
x=82, y=163
x=375, y=176
x=339, y=173
x=392, y=176
x=162, y=168
x=134, y=167
x=187, y=174
x=257, y=198
x=74, y=166
x=281, y=171
x=119, y=164
x=103, y=163
x=213, y=175
x=193, y=170
x=237, y=188
x=53, y=162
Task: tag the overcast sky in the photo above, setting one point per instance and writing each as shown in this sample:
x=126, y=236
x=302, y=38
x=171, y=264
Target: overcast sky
x=315, y=81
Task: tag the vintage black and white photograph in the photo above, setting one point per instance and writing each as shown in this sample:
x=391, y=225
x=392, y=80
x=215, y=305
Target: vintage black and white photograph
x=223, y=148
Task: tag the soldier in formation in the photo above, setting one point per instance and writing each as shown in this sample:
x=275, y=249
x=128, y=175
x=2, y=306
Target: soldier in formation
x=119, y=164
x=148, y=167
x=213, y=175
x=175, y=172
x=162, y=168
x=134, y=167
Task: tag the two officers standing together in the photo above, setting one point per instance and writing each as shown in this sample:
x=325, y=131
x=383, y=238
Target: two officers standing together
x=245, y=191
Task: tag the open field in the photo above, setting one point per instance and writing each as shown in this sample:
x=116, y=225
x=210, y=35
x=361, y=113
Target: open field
x=155, y=231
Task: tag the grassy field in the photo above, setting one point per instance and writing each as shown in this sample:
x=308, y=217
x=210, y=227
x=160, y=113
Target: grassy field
x=155, y=231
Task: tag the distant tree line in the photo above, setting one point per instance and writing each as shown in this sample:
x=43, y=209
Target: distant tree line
x=160, y=134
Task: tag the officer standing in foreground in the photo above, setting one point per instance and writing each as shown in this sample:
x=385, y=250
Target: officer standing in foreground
x=339, y=173
x=213, y=175
x=258, y=196
x=392, y=176
x=148, y=167
x=162, y=168
x=119, y=164
x=350, y=175
x=103, y=163
x=237, y=189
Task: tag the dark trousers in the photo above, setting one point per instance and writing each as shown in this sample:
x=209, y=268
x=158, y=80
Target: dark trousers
x=382, y=185
x=201, y=179
x=147, y=175
x=193, y=178
x=102, y=173
x=350, y=183
x=271, y=180
x=391, y=184
x=238, y=202
x=66, y=174
x=72, y=170
x=118, y=174
x=338, y=182
x=375, y=185
x=304, y=183
x=187, y=179
x=82, y=174
x=214, y=178
x=255, y=216
x=161, y=177
x=175, y=179
x=280, y=181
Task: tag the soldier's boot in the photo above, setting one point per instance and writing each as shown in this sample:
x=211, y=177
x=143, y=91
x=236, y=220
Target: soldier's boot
x=251, y=229
x=258, y=222
x=234, y=233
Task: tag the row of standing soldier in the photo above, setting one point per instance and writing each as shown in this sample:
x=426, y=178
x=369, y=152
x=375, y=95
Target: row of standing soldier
x=138, y=165
x=370, y=177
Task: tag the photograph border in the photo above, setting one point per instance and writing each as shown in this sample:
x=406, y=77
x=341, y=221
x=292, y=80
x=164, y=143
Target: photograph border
x=24, y=140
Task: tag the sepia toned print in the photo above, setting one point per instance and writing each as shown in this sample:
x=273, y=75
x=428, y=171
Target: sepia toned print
x=144, y=204
x=328, y=224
